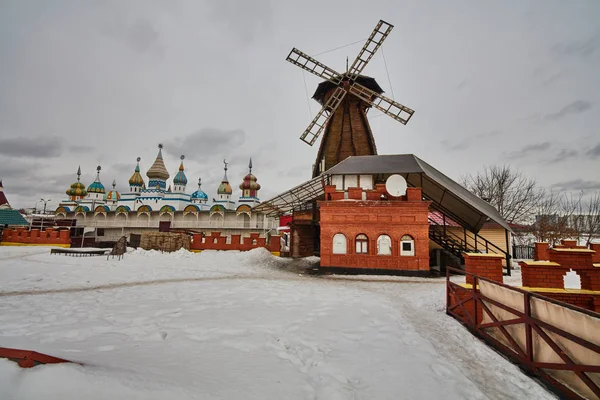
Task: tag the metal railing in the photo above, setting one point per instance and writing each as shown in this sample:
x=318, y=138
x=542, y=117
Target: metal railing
x=468, y=305
x=178, y=224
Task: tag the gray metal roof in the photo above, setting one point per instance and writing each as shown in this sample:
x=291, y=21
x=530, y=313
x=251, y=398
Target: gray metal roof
x=446, y=195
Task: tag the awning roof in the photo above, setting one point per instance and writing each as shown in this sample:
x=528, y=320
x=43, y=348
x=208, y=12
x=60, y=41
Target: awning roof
x=446, y=195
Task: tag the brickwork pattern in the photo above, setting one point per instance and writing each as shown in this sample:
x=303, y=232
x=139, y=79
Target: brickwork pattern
x=47, y=237
x=215, y=241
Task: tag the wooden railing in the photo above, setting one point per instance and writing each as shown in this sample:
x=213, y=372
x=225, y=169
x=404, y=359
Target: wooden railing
x=530, y=336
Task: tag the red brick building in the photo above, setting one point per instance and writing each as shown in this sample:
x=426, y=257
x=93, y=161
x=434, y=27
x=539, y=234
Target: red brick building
x=348, y=218
x=375, y=235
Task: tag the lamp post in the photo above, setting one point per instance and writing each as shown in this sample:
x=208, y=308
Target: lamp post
x=45, y=202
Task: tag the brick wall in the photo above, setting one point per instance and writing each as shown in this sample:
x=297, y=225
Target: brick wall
x=484, y=265
x=215, y=241
x=36, y=237
x=373, y=218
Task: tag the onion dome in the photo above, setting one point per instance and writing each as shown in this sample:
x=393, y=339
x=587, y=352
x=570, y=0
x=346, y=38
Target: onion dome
x=224, y=187
x=249, y=182
x=113, y=195
x=97, y=186
x=199, y=194
x=158, y=169
x=180, y=179
x=77, y=189
x=136, y=179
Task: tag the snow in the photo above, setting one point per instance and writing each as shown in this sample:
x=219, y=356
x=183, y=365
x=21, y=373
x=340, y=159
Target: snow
x=229, y=325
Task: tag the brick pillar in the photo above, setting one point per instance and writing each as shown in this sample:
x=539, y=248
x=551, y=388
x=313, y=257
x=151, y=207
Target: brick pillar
x=65, y=236
x=542, y=251
x=414, y=194
x=355, y=193
x=595, y=256
x=590, y=279
x=543, y=274
x=484, y=265
x=35, y=235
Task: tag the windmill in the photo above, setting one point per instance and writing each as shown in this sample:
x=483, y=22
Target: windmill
x=345, y=99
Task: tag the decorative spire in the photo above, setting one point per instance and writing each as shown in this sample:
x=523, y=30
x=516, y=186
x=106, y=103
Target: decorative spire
x=78, y=173
x=199, y=183
x=224, y=187
x=96, y=186
x=114, y=184
x=250, y=165
x=225, y=168
x=158, y=169
x=199, y=195
x=136, y=179
x=180, y=178
x=77, y=189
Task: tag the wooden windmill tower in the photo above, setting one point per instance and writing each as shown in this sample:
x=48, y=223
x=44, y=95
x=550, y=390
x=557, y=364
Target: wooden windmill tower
x=345, y=99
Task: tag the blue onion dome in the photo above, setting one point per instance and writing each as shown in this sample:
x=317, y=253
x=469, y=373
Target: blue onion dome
x=158, y=169
x=224, y=187
x=97, y=186
x=180, y=178
x=199, y=194
x=77, y=188
x=136, y=179
x=113, y=195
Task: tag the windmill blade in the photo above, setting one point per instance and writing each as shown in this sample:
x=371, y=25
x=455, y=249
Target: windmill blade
x=373, y=43
x=313, y=66
x=385, y=105
x=317, y=125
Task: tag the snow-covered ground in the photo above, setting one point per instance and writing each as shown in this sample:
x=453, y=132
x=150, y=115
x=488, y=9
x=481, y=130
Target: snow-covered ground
x=219, y=325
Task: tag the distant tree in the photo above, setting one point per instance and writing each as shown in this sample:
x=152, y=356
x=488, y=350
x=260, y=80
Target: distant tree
x=515, y=196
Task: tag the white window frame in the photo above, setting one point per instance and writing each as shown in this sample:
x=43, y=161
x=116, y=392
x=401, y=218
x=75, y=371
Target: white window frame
x=342, y=244
x=379, y=243
x=411, y=241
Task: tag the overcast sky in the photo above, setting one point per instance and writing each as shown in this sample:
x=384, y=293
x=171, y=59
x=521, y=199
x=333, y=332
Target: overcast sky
x=102, y=82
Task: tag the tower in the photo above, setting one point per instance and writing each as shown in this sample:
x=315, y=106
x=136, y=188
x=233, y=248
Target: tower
x=136, y=182
x=180, y=180
x=345, y=99
x=224, y=191
x=249, y=188
x=158, y=174
x=77, y=190
x=199, y=197
x=3, y=199
x=113, y=197
x=96, y=190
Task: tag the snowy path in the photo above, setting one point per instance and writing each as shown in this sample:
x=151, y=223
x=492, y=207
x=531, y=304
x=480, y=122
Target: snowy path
x=231, y=325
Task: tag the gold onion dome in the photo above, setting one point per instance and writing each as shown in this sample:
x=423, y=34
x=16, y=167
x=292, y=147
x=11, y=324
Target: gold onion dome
x=158, y=169
x=249, y=182
x=136, y=179
x=97, y=186
x=77, y=188
x=225, y=187
x=113, y=195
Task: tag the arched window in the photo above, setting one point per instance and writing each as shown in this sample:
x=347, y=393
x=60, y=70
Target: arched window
x=384, y=245
x=339, y=243
x=362, y=244
x=407, y=246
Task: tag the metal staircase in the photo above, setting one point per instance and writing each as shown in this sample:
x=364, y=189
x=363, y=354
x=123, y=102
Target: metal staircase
x=450, y=242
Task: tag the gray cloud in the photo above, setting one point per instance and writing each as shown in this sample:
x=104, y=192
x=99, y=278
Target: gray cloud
x=594, y=152
x=455, y=145
x=563, y=155
x=576, y=107
x=528, y=150
x=78, y=148
x=143, y=36
x=581, y=48
x=207, y=142
x=577, y=184
x=39, y=147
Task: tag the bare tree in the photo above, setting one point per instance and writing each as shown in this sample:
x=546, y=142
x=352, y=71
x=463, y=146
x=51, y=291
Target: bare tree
x=552, y=216
x=514, y=196
x=585, y=220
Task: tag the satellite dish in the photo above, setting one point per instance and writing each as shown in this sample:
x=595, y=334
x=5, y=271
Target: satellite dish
x=396, y=185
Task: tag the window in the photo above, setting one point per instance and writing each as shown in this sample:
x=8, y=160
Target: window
x=384, y=245
x=339, y=243
x=362, y=244
x=407, y=246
